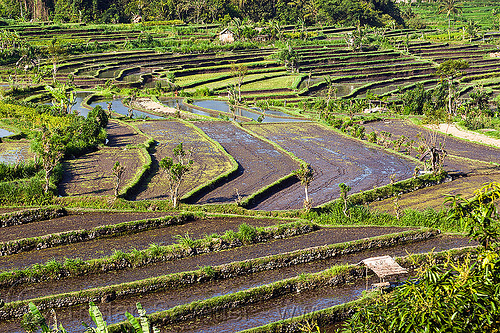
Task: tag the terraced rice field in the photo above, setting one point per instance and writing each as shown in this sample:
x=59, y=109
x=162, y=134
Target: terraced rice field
x=92, y=174
x=259, y=163
x=225, y=270
x=454, y=146
x=209, y=160
x=258, y=313
x=15, y=151
x=434, y=197
x=335, y=158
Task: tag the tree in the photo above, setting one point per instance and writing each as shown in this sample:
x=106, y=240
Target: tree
x=290, y=58
x=63, y=98
x=118, y=170
x=238, y=71
x=49, y=150
x=176, y=168
x=449, y=7
x=306, y=175
x=450, y=69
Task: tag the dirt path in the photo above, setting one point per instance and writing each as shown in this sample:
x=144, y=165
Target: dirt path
x=464, y=134
x=260, y=163
x=335, y=158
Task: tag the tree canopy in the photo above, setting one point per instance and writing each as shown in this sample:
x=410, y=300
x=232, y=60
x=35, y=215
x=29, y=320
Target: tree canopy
x=351, y=12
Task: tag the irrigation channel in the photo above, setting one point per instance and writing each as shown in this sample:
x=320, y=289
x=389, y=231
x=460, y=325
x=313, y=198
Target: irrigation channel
x=250, y=315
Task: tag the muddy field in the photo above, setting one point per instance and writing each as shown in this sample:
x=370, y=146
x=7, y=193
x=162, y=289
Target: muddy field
x=259, y=162
x=209, y=161
x=434, y=197
x=454, y=146
x=318, y=238
x=92, y=173
x=163, y=300
x=335, y=158
x=74, y=221
x=97, y=248
x=121, y=135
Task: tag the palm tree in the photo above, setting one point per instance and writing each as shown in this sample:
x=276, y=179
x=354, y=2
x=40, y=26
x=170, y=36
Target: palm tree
x=450, y=7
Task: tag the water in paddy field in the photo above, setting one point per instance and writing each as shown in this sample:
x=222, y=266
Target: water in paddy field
x=4, y=133
x=223, y=106
x=118, y=107
x=177, y=103
x=13, y=156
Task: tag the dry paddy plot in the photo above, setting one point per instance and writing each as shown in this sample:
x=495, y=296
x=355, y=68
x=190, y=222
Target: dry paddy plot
x=434, y=197
x=209, y=161
x=122, y=135
x=92, y=173
x=335, y=158
x=454, y=146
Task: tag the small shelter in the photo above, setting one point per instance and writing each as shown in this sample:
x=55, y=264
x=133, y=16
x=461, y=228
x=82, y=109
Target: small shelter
x=383, y=267
x=226, y=36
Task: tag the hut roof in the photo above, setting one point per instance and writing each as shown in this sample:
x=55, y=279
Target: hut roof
x=384, y=266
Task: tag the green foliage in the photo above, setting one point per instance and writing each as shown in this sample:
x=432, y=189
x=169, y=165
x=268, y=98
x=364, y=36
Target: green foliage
x=176, y=170
x=479, y=215
x=141, y=325
x=24, y=192
x=33, y=320
x=10, y=172
x=246, y=233
x=448, y=297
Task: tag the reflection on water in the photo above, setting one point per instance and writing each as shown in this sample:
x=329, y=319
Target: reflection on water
x=4, y=133
x=118, y=107
x=223, y=106
x=15, y=155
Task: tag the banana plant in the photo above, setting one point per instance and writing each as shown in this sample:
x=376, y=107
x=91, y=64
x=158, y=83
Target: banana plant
x=34, y=320
x=141, y=325
x=96, y=316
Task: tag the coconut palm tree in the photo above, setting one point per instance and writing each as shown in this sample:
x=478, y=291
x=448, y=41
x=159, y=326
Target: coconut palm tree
x=450, y=7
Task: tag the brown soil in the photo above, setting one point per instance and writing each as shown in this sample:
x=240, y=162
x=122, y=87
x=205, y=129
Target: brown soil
x=92, y=173
x=318, y=238
x=434, y=197
x=104, y=247
x=208, y=161
x=453, y=146
x=335, y=158
x=74, y=221
x=260, y=163
x=121, y=135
